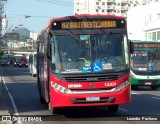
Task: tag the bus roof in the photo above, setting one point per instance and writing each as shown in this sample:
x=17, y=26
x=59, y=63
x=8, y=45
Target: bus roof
x=146, y=45
x=143, y=41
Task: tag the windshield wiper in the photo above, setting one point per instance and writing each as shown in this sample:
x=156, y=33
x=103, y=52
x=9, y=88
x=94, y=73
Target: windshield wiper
x=77, y=39
x=103, y=39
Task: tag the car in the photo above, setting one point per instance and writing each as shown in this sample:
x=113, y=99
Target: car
x=16, y=59
x=4, y=62
x=23, y=63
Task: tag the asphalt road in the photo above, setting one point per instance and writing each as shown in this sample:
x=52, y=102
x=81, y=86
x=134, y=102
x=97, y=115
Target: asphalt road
x=22, y=99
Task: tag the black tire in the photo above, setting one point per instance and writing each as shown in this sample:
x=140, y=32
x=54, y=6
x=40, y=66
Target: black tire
x=113, y=108
x=154, y=87
x=42, y=99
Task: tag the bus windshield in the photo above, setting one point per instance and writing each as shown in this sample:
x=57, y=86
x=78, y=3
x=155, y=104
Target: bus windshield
x=146, y=60
x=89, y=53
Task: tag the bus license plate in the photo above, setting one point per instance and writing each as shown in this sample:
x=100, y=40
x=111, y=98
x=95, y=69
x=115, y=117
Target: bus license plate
x=92, y=98
x=148, y=83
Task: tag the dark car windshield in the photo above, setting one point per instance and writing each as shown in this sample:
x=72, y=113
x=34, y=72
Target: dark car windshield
x=21, y=61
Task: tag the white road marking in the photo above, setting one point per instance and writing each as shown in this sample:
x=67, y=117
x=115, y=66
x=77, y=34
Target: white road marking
x=134, y=93
x=156, y=98
x=12, y=100
x=123, y=109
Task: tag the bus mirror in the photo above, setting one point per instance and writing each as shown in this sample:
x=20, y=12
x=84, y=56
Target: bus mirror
x=131, y=46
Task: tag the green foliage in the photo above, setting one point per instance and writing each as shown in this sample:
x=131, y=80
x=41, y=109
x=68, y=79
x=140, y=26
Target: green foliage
x=1, y=54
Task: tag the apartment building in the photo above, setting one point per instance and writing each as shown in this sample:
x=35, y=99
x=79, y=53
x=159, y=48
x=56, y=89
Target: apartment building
x=146, y=24
x=117, y=7
x=149, y=1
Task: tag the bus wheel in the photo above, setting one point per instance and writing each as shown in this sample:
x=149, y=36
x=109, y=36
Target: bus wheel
x=42, y=100
x=113, y=108
x=154, y=87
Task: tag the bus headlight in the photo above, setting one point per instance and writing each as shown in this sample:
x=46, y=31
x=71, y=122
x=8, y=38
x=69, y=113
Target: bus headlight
x=60, y=88
x=121, y=86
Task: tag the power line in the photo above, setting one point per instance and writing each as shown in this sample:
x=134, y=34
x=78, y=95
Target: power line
x=16, y=16
x=57, y=2
x=62, y=3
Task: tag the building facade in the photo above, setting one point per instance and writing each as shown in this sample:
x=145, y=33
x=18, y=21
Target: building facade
x=117, y=7
x=144, y=22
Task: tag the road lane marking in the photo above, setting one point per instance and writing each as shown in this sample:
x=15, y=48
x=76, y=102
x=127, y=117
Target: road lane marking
x=123, y=109
x=12, y=100
x=156, y=98
x=134, y=93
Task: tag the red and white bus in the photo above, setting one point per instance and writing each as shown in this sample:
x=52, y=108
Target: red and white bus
x=83, y=60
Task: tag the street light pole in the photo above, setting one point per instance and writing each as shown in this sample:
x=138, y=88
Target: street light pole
x=26, y=16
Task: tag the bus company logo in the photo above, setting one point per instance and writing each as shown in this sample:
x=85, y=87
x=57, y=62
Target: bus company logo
x=74, y=85
x=92, y=85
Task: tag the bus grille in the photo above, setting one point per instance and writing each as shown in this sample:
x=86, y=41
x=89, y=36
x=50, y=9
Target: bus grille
x=91, y=78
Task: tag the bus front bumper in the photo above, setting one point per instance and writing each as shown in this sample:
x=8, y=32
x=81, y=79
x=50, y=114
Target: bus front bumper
x=58, y=99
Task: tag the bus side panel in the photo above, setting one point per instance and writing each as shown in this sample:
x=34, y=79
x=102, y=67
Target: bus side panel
x=43, y=66
x=134, y=81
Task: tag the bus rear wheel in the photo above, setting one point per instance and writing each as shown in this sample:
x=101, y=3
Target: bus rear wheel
x=42, y=100
x=113, y=108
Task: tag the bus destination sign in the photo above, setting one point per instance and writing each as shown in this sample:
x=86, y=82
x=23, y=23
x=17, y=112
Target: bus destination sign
x=89, y=24
x=146, y=45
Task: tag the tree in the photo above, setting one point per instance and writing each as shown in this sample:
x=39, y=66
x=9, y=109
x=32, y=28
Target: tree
x=1, y=54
